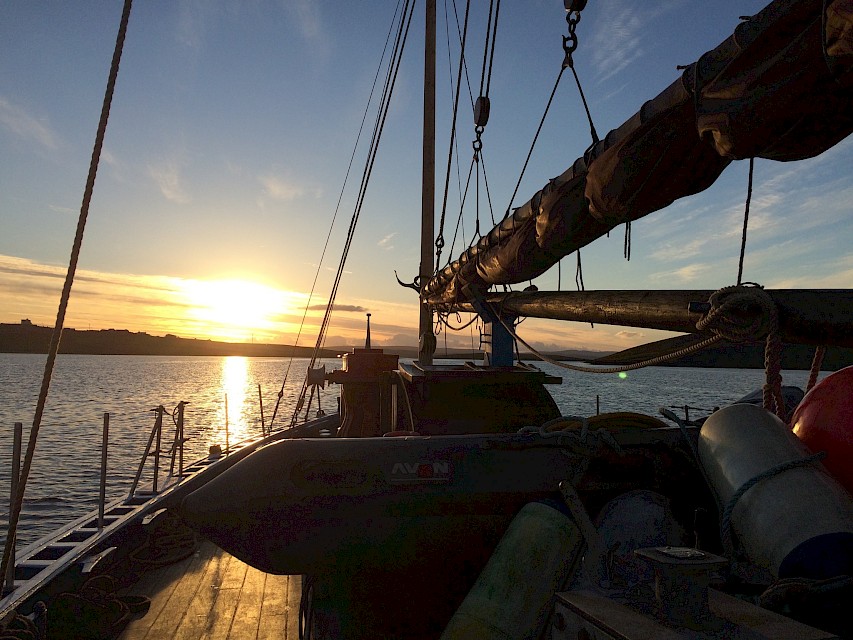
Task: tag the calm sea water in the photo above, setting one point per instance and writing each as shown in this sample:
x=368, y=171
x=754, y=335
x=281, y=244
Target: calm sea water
x=63, y=482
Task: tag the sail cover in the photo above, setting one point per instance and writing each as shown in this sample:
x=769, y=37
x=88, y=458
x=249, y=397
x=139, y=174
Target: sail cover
x=781, y=87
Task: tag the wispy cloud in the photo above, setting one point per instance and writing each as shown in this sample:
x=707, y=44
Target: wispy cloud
x=793, y=199
x=22, y=124
x=306, y=18
x=280, y=189
x=687, y=273
x=167, y=175
x=840, y=276
x=62, y=210
x=350, y=308
x=674, y=251
x=193, y=22
x=307, y=15
x=385, y=242
x=618, y=41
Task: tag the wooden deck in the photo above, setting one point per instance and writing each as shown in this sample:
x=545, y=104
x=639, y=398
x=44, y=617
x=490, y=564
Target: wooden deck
x=213, y=595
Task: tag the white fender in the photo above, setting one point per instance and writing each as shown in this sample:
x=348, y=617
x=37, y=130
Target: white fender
x=796, y=523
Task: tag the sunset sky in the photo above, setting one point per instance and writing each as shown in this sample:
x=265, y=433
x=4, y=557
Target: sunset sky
x=228, y=142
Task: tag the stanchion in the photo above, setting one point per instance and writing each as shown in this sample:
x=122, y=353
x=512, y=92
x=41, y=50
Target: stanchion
x=103, y=493
x=16, y=475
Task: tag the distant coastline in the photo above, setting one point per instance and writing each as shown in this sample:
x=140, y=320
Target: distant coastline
x=27, y=337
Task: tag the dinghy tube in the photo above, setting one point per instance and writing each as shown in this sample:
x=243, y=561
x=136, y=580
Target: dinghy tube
x=796, y=523
x=513, y=594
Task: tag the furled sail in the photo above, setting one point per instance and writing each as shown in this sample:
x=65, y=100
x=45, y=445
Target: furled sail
x=781, y=87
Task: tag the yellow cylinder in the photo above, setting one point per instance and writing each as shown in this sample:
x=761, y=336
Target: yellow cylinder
x=514, y=592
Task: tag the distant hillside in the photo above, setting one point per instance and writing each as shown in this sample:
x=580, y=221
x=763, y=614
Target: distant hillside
x=467, y=354
x=29, y=338
x=731, y=356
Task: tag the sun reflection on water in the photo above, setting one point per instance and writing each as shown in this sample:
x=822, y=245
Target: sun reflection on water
x=235, y=384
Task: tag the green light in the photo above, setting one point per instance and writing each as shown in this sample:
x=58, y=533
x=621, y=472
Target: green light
x=623, y=375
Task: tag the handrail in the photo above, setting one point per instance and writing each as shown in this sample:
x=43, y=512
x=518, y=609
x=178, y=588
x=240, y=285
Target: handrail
x=178, y=442
x=155, y=432
x=176, y=451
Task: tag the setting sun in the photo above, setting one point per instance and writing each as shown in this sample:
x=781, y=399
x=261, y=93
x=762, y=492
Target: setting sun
x=236, y=309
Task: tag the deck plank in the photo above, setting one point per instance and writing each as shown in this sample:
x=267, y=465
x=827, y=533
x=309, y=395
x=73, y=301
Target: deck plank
x=159, y=584
x=222, y=615
x=248, y=614
x=174, y=611
x=214, y=596
x=198, y=615
x=275, y=611
x=294, y=598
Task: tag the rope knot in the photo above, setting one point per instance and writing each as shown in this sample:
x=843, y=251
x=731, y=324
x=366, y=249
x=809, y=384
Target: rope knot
x=747, y=313
x=740, y=313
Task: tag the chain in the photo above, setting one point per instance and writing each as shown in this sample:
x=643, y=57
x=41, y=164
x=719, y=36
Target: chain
x=570, y=45
x=570, y=42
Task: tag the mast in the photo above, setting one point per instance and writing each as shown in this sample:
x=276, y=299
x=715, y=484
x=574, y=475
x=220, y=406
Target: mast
x=426, y=337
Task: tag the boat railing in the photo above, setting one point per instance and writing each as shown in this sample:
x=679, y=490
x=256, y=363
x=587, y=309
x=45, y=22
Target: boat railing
x=87, y=539
x=154, y=439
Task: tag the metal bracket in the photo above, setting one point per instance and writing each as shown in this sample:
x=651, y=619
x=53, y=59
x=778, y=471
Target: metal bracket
x=500, y=349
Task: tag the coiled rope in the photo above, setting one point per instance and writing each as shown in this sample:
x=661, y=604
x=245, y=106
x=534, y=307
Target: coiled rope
x=15, y=512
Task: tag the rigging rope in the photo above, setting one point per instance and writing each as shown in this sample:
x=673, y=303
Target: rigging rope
x=335, y=215
x=452, y=91
x=15, y=511
x=379, y=125
x=766, y=324
x=814, y=372
x=533, y=144
x=578, y=278
x=460, y=223
x=439, y=240
x=745, y=222
x=489, y=52
x=570, y=45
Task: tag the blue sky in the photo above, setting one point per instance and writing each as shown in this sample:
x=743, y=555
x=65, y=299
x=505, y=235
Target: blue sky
x=231, y=130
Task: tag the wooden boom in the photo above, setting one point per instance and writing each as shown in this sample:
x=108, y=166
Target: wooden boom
x=806, y=316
